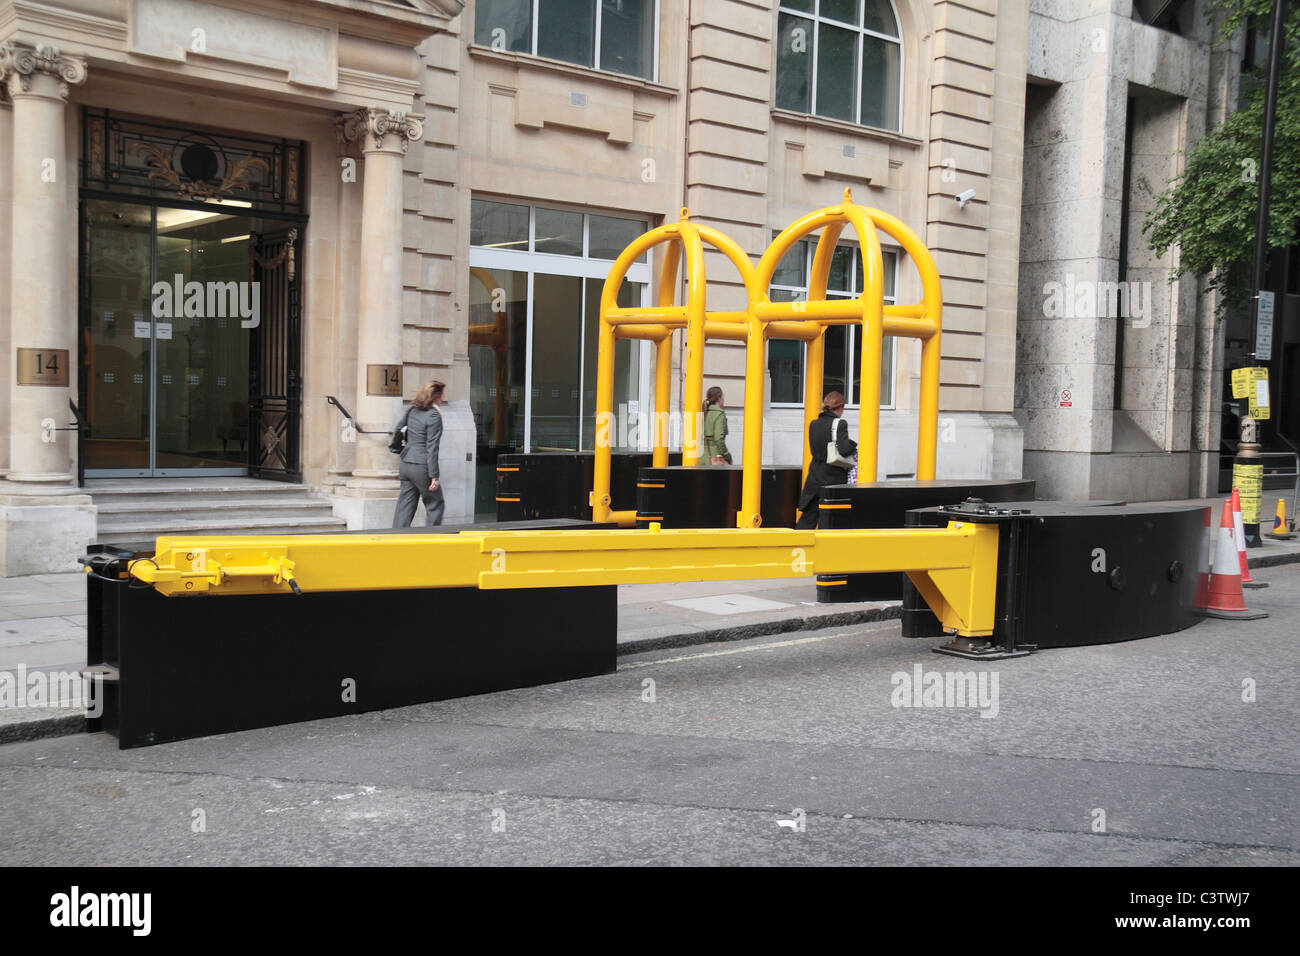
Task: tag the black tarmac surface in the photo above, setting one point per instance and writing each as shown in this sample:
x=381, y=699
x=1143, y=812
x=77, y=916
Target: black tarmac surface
x=1146, y=753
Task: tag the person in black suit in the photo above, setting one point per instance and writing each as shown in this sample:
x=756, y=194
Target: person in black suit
x=418, y=468
x=822, y=475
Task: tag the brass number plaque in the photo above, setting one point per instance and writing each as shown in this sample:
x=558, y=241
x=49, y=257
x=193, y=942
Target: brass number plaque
x=43, y=367
x=384, y=380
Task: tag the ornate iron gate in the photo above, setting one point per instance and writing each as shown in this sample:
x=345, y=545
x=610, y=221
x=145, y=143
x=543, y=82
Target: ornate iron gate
x=275, y=375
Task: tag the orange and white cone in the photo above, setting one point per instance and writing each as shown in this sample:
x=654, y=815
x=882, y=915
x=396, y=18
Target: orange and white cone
x=1239, y=533
x=1203, y=572
x=1226, y=599
x=1281, y=531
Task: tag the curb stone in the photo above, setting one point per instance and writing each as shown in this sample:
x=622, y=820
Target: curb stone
x=743, y=632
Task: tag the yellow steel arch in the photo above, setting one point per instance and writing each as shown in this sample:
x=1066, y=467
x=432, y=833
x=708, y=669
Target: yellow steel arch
x=762, y=320
x=657, y=323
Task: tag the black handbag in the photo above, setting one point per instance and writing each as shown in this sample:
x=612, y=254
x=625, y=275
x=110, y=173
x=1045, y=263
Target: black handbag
x=397, y=441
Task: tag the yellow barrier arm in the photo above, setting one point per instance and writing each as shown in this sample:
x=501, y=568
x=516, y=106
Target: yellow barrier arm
x=955, y=568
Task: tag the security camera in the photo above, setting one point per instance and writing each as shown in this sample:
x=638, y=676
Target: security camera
x=964, y=198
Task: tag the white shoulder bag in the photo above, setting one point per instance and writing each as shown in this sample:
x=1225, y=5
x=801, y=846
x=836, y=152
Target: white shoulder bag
x=833, y=456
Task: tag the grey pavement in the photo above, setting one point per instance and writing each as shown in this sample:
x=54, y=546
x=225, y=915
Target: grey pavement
x=1169, y=751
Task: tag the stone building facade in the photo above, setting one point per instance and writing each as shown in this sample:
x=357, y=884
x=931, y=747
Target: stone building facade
x=750, y=119
x=407, y=189
x=419, y=190
x=1119, y=371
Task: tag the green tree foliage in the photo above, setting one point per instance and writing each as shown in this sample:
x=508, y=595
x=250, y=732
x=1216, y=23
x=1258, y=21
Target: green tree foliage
x=1209, y=212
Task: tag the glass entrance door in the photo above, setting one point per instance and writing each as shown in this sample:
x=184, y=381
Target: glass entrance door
x=118, y=338
x=169, y=308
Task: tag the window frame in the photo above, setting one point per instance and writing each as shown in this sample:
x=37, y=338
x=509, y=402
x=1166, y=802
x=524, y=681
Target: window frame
x=596, y=37
x=533, y=263
x=817, y=19
x=851, y=345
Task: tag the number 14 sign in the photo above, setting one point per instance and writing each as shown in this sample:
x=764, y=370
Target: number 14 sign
x=43, y=367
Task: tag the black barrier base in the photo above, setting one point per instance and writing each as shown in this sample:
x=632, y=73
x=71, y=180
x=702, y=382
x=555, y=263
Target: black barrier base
x=1072, y=574
x=173, y=668
x=710, y=496
x=190, y=667
x=980, y=649
x=557, y=484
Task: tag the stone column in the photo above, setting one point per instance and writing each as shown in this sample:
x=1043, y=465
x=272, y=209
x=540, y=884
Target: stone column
x=384, y=136
x=41, y=299
x=45, y=522
x=343, y=353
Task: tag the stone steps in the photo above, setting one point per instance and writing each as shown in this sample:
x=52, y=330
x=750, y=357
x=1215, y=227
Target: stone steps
x=137, y=516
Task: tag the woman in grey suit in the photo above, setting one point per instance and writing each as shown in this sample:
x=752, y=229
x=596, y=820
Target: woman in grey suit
x=418, y=467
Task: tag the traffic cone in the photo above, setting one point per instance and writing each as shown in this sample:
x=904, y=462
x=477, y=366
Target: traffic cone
x=1203, y=572
x=1239, y=532
x=1226, y=599
x=1280, y=529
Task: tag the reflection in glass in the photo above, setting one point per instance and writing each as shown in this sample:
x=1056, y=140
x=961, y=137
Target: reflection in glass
x=836, y=51
x=558, y=232
x=167, y=376
x=498, y=224
x=626, y=370
x=846, y=11
x=116, y=311
x=841, y=269
x=792, y=269
x=880, y=17
x=557, y=343
x=794, y=36
x=833, y=379
x=566, y=30
x=504, y=24
x=785, y=363
x=880, y=74
x=202, y=360
x=498, y=318
x=608, y=236
x=627, y=37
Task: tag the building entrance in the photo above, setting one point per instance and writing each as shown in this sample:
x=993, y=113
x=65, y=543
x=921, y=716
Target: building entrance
x=190, y=319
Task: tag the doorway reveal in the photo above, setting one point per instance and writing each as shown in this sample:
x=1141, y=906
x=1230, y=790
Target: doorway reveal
x=190, y=309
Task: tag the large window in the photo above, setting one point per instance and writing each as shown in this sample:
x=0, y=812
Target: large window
x=842, y=59
x=536, y=276
x=617, y=35
x=843, y=361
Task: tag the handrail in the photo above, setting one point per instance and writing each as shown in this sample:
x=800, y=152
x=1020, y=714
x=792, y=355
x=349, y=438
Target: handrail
x=347, y=416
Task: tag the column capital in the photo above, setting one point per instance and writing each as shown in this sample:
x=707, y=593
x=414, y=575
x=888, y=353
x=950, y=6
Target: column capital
x=379, y=130
x=39, y=69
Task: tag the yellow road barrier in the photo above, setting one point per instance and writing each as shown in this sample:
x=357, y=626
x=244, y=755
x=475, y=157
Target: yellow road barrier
x=954, y=568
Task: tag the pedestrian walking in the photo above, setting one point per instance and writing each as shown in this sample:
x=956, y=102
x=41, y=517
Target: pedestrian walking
x=418, y=467
x=827, y=467
x=715, y=428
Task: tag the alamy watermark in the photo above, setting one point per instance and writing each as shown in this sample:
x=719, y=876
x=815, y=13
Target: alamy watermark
x=208, y=300
x=38, y=688
x=1084, y=299
x=630, y=427
x=74, y=908
x=935, y=689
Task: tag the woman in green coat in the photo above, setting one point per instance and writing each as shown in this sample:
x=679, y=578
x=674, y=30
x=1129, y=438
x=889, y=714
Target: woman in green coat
x=715, y=428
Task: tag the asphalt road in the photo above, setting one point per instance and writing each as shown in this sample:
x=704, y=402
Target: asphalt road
x=1142, y=753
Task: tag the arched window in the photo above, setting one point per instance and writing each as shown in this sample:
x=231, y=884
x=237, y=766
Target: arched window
x=842, y=59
